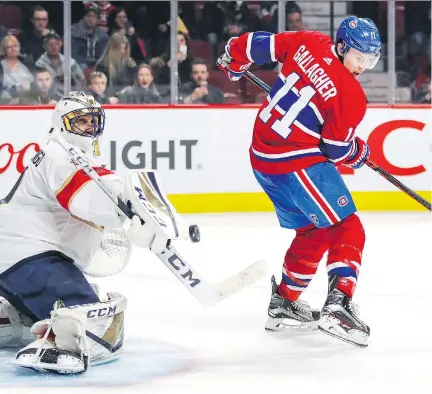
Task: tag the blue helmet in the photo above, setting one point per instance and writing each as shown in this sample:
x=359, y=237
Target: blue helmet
x=360, y=34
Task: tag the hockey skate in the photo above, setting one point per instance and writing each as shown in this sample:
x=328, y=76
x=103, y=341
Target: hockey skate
x=284, y=314
x=339, y=318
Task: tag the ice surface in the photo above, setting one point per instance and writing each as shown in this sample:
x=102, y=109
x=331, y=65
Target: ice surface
x=224, y=349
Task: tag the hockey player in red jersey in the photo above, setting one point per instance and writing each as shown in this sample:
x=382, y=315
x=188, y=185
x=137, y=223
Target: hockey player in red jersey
x=304, y=129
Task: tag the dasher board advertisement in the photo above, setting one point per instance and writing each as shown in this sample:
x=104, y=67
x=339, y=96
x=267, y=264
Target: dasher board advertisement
x=203, y=159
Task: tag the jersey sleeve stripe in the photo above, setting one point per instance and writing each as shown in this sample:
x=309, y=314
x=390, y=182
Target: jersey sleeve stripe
x=350, y=135
x=337, y=143
x=272, y=48
x=71, y=186
x=249, y=47
x=74, y=183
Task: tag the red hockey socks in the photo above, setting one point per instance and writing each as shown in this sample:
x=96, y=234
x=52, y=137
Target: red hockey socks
x=301, y=261
x=346, y=242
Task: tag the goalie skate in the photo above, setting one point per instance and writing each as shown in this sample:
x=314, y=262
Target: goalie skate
x=287, y=315
x=340, y=320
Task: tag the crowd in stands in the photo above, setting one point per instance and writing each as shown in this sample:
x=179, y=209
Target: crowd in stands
x=121, y=50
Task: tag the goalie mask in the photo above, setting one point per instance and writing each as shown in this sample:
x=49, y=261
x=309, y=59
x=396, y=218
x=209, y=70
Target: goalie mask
x=79, y=119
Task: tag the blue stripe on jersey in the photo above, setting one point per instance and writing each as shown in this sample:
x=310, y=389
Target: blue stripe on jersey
x=289, y=158
x=260, y=47
x=334, y=152
x=288, y=281
x=344, y=272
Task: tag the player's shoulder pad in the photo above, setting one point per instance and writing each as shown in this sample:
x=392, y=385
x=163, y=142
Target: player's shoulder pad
x=317, y=37
x=57, y=158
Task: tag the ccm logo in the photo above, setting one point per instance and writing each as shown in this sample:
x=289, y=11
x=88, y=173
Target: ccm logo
x=101, y=312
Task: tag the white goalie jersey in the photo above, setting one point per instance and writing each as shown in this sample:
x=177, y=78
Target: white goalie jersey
x=55, y=206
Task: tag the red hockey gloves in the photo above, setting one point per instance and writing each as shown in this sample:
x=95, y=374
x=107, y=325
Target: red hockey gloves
x=229, y=66
x=359, y=156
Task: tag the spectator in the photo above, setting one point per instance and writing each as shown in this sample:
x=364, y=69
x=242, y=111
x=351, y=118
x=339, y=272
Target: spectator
x=116, y=62
x=162, y=65
x=212, y=26
x=422, y=85
x=104, y=8
x=238, y=18
x=426, y=99
x=16, y=76
x=144, y=89
x=199, y=91
x=98, y=88
x=88, y=40
x=42, y=90
x=294, y=18
x=33, y=40
x=118, y=23
x=268, y=16
x=52, y=60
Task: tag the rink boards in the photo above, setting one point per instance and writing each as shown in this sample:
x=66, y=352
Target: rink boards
x=203, y=159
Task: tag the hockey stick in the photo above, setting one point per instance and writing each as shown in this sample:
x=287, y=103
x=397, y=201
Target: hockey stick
x=204, y=292
x=254, y=79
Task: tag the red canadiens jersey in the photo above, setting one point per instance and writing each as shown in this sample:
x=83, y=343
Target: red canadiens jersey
x=314, y=106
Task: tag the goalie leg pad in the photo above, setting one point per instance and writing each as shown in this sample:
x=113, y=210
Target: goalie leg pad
x=76, y=337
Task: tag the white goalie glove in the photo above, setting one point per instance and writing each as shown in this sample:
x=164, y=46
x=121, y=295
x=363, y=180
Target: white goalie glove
x=160, y=220
x=144, y=235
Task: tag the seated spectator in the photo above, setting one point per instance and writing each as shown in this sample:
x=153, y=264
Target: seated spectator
x=104, y=8
x=118, y=23
x=98, y=88
x=162, y=65
x=42, y=90
x=268, y=16
x=16, y=76
x=238, y=18
x=212, y=25
x=144, y=89
x=422, y=87
x=116, y=62
x=52, y=60
x=33, y=40
x=88, y=40
x=294, y=18
x=199, y=91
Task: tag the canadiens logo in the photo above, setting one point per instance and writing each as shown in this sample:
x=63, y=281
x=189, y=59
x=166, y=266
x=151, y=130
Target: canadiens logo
x=353, y=24
x=343, y=201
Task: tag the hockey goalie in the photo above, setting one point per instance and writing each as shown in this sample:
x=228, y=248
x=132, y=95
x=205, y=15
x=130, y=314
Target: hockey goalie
x=56, y=225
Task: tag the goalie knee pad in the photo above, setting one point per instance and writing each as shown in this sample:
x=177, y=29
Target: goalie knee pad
x=301, y=261
x=346, y=243
x=14, y=326
x=76, y=337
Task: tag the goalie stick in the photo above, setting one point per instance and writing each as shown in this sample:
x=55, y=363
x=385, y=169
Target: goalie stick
x=203, y=291
x=254, y=79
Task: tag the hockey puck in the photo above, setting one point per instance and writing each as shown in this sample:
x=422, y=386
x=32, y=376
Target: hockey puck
x=194, y=233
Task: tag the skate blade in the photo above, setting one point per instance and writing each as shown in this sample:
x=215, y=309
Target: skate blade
x=280, y=325
x=331, y=326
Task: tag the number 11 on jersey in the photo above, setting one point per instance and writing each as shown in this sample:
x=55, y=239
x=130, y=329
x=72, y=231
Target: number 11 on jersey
x=283, y=126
